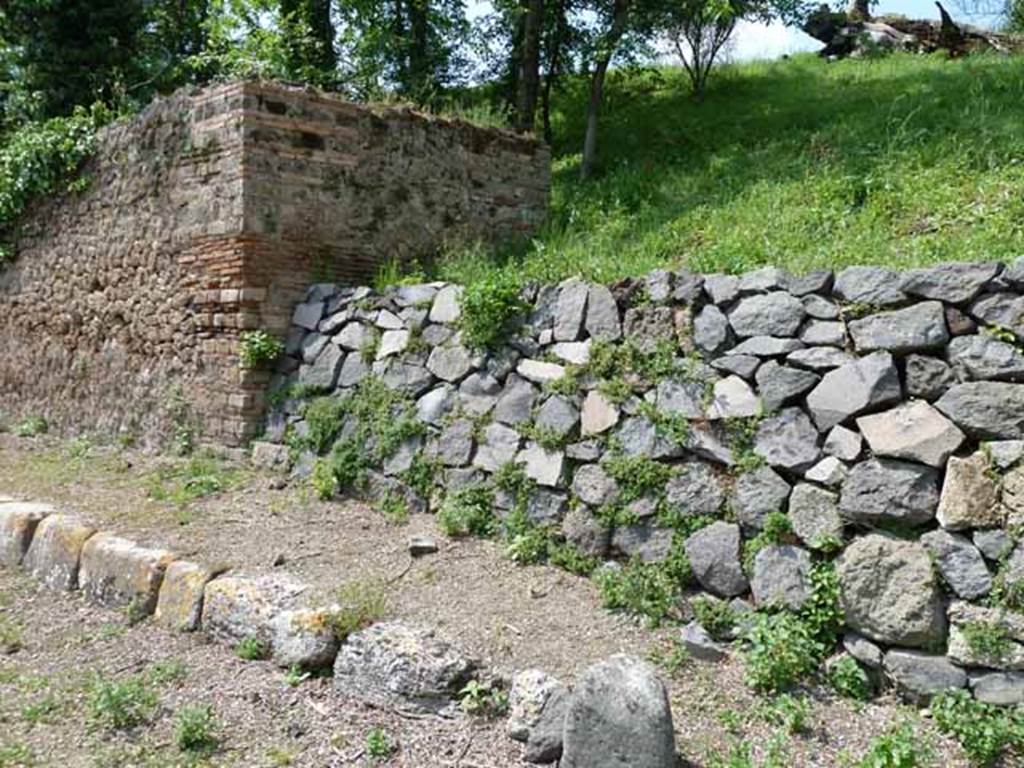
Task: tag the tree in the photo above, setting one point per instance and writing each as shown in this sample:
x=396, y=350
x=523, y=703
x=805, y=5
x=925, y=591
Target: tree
x=308, y=37
x=700, y=32
x=409, y=46
x=70, y=52
x=529, y=65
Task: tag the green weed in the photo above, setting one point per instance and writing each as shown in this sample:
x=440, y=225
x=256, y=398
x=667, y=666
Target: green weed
x=120, y=704
x=252, y=648
x=195, y=729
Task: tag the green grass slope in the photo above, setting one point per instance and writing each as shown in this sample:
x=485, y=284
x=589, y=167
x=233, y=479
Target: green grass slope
x=799, y=163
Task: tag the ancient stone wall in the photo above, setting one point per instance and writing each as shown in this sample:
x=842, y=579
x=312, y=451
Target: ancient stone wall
x=882, y=414
x=208, y=215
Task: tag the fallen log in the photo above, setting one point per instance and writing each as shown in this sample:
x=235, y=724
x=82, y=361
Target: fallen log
x=852, y=34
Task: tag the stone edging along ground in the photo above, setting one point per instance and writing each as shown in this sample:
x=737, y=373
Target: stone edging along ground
x=755, y=436
x=387, y=663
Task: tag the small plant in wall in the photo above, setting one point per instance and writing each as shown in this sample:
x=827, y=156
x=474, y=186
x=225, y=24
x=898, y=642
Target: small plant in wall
x=259, y=349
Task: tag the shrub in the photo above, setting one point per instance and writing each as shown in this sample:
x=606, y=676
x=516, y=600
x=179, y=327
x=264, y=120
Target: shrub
x=258, y=349
x=848, y=679
x=195, y=729
x=322, y=480
x=636, y=475
x=378, y=744
x=774, y=530
x=987, y=640
x=789, y=712
x=651, y=590
x=32, y=427
x=40, y=159
x=899, y=747
x=481, y=699
x=781, y=649
x=252, y=648
x=716, y=616
x=490, y=309
x=468, y=511
x=118, y=705
x=985, y=731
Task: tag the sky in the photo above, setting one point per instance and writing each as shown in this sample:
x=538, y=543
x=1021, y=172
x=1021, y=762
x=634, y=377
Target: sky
x=770, y=41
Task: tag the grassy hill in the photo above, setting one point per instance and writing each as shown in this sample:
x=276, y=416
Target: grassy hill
x=800, y=163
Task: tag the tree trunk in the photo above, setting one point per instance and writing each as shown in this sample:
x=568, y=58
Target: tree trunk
x=322, y=29
x=529, y=72
x=419, y=54
x=620, y=15
x=554, y=43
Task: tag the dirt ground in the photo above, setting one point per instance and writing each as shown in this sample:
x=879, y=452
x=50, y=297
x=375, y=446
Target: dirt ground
x=508, y=616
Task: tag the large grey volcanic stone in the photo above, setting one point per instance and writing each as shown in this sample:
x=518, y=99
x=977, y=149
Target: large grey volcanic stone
x=788, y=440
x=756, y=495
x=954, y=283
x=866, y=384
x=969, y=495
x=960, y=563
x=714, y=555
x=768, y=314
x=889, y=592
x=874, y=286
x=781, y=577
x=914, y=431
x=927, y=377
x=570, y=309
x=710, y=329
x=619, y=716
x=886, y=490
x=694, y=490
x=919, y=676
x=814, y=515
x=984, y=357
x=602, y=314
x=985, y=409
x=395, y=663
x=1001, y=309
x=780, y=385
x=918, y=327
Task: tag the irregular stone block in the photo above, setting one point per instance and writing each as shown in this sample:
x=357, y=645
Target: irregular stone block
x=970, y=496
x=515, y=403
x=873, y=286
x=694, y=490
x=602, y=314
x=270, y=455
x=779, y=385
x=542, y=466
x=53, y=556
x=984, y=357
x=814, y=515
x=714, y=555
x=1004, y=689
x=239, y=607
x=179, y=606
x=446, y=307
x=756, y=495
x=498, y=447
x=870, y=383
x=914, y=431
x=919, y=676
x=953, y=283
x=960, y=564
x=732, y=398
x=392, y=663
x=304, y=638
x=769, y=314
x=883, y=490
x=843, y=443
x=528, y=694
x=570, y=310
x=829, y=471
x=540, y=372
x=700, y=645
x=781, y=577
x=927, y=377
x=118, y=573
x=619, y=715
x=451, y=363
x=987, y=410
x=599, y=414
x=889, y=592
x=711, y=330
x=788, y=440
x=18, y=523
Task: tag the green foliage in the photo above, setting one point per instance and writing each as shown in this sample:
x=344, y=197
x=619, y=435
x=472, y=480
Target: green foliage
x=674, y=427
x=716, y=616
x=195, y=729
x=379, y=744
x=119, y=705
x=822, y=612
x=565, y=555
x=10, y=635
x=33, y=426
x=648, y=590
x=394, y=508
x=182, y=482
x=636, y=475
x=15, y=755
x=421, y=474
x=491, y=309
x=252, y=648
x=774, y=530
x=483, y=699
x=41, y=159
x=378, y=419
x=361, y=603
x=985, y=731
x=1007, y=592
x=987, y=640
x=848, y=679
x=737, y=193
x=468, y=511
x=672, y=656
x=258, y=349
x=781, y=649
x=786, y=711
x=898, y=747
x=741, y=432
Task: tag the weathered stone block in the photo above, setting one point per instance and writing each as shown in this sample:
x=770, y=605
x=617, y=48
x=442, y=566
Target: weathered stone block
x=118, y=573
x=237, y=607
x=180, y=602
x=53, y=556
x=18, y=523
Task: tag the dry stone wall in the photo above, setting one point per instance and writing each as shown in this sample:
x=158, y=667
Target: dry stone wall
x=678, y=414
x=208, y=215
